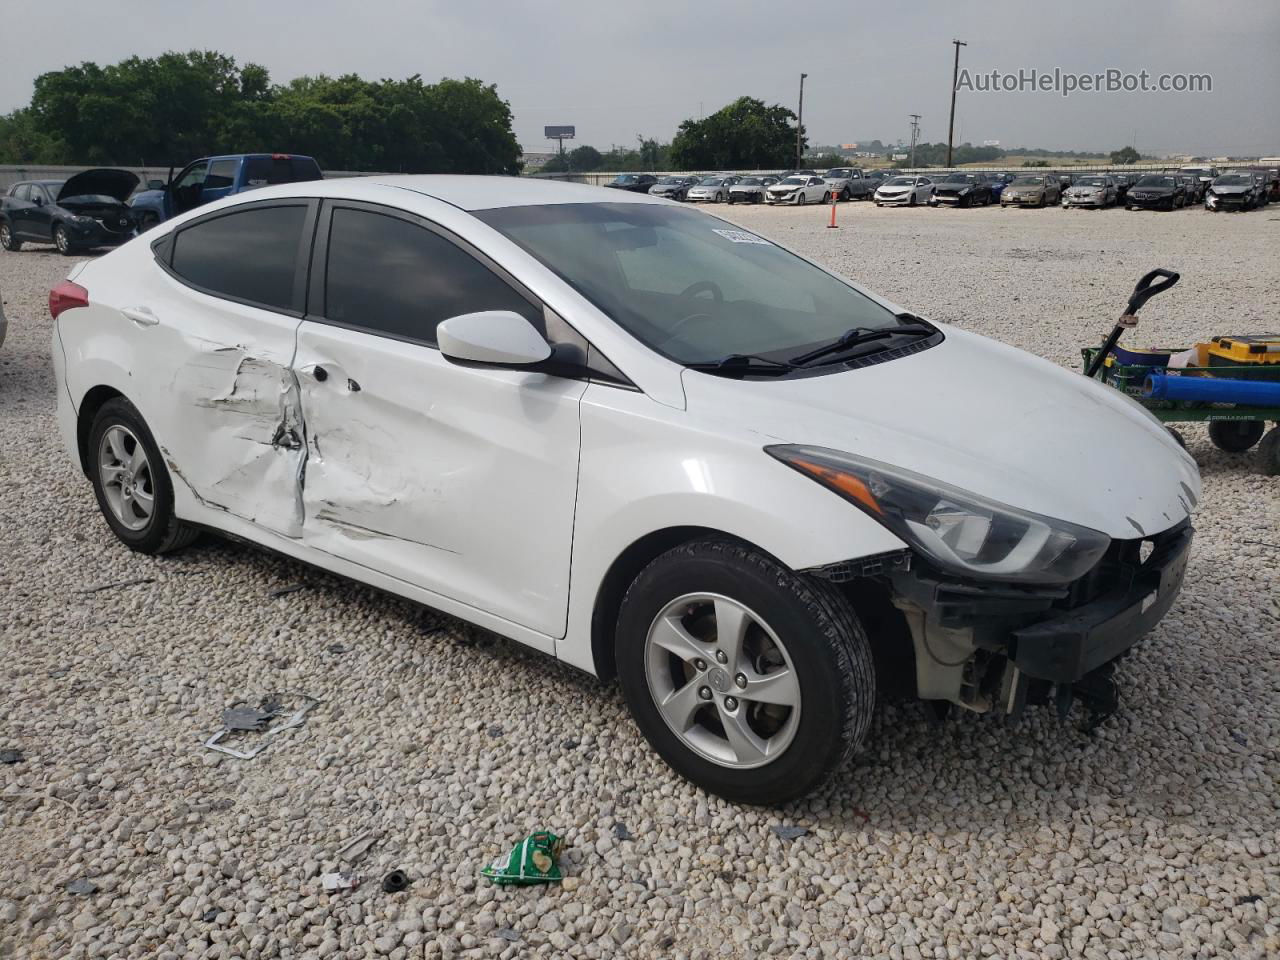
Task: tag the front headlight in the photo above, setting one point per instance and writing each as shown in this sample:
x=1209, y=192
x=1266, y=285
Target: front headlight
x=77, y=218
x=958, y=530
x=965, y=190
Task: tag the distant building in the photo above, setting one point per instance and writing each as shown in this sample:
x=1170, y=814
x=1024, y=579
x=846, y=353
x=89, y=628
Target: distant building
x=535, y=161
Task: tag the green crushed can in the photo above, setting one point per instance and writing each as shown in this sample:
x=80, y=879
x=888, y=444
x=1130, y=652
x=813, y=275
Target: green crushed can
x=532, y=860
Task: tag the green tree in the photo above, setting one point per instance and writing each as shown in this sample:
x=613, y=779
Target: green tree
x=584, y=159
x=746, y=134
x=1125, y=155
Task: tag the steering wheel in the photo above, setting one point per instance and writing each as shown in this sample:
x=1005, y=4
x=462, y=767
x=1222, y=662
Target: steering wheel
x=696, y=288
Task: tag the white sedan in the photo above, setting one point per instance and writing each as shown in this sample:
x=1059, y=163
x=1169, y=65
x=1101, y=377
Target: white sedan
x=799, y=190
x=630, y=435
x=907, y=191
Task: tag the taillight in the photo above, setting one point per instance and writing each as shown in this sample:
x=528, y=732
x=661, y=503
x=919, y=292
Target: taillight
x=65, y=296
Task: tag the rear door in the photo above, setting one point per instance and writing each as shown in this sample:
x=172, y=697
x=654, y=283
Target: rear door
x=459, y=480
x=220, y=318
x=17, y=206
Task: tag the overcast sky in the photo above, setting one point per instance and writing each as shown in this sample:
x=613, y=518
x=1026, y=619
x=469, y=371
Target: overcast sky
x=622, y=70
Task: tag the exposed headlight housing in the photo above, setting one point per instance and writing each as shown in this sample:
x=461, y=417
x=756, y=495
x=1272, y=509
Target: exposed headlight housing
x=959, y=531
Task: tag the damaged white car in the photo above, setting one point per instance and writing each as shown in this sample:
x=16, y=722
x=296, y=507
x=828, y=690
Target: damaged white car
x=632, y=435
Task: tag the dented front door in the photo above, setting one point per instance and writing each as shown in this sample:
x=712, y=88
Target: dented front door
x=458, y=480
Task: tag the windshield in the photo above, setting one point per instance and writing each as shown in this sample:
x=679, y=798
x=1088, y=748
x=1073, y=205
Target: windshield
x=960, y=178
x=901, y=182
x=674, y=180
x=690, y=286
x=1155, y=182
x=1091, y=182
x=839, y=172
x=796, y=180
x=1233, y=180
x=710, y=181
x=625, y=178
x=1028, y=182
x=1195, y=171
x=749, y=182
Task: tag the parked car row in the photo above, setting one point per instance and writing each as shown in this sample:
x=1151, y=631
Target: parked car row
x=103, y=207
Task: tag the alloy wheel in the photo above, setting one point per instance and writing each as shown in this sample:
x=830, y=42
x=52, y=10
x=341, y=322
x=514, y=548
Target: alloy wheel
x=6, y=237
x=61, y=240
x=125, y=475
x=722, y=680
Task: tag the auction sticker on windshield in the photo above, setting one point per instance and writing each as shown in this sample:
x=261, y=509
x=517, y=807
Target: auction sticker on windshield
x=741, y=236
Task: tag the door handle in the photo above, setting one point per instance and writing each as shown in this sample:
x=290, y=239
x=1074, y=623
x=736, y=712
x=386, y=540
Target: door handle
x=142, y=316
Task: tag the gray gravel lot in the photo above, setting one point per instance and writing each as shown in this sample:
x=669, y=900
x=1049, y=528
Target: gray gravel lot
x=1155, y=836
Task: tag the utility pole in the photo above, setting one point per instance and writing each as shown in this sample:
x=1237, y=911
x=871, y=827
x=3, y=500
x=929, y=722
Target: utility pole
x=955, y=78
x=800, y=123
x=915, y=133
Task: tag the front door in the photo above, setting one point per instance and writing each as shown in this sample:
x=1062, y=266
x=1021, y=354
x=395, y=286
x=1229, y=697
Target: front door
x=186, y=193
x=458, y=480
x=39, y=216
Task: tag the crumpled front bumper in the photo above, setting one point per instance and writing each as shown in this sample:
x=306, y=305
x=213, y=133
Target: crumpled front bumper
x=984, y=644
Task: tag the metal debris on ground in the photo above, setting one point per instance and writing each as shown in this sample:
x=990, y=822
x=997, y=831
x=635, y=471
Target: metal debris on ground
x=240, y=718
x=11, y=756
x=338, y=648
x=115, y=586
x=395, y=881
x=789, y=833
x=621, y=832
x=340, y=881
x=506, y=933
x=286, y=590
x=210, y=915
x=532, y=860
x=82, y=886
x=357, y=847
x=1248, y=898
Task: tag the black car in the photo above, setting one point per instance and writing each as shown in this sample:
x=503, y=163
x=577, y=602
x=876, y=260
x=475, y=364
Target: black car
x=1157, y=191
x=88, y=210
x=633, y=182
x=961, y=190
x=1123, y=182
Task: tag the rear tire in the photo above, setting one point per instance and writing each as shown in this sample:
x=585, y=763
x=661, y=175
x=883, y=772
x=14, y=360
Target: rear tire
x=1269, y=454
x=1236, y=436
x=800, y=632
x=7, y=240
x=117, y=436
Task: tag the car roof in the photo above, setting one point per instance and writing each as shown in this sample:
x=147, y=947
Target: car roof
x=465, y=192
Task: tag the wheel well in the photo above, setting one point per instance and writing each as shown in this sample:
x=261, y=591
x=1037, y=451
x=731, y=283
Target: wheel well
x=89, y=407
x=627, y=566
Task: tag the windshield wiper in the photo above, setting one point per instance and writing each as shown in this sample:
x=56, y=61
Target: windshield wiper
x=740, y=364
x=860, y=335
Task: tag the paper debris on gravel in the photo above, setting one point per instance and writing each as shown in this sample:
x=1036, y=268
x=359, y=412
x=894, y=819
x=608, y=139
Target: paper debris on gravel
x=340, y=881
x=243, y=719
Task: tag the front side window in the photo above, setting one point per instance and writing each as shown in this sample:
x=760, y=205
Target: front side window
x=249, y=255
x=394, y=277
x=693, y=288
x=21, y=192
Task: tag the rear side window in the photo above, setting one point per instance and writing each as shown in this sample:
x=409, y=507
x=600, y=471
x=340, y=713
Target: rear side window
x=395, y=277
x=262, y=171
x=222, y=173
x=250, y=255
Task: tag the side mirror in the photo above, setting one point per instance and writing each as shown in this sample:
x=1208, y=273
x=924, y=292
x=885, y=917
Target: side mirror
x=492, y=338
x=38, y=201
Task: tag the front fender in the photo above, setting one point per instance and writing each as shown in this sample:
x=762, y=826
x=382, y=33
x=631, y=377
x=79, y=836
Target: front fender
x=647, y=468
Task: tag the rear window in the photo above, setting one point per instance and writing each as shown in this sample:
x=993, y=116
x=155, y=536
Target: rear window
x=264, y=171
x=250, y=255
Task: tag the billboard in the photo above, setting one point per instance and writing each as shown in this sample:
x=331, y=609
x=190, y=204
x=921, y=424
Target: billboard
x=558, y=133
x=991, y=143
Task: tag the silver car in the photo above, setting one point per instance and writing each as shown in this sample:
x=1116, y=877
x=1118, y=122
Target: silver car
x=1090, y=191
x=906, y=190
x=711, y=190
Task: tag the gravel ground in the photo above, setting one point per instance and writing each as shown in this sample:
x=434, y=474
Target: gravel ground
x=1154, y=836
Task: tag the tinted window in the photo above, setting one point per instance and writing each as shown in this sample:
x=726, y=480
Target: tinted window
x=248, y=255
x=398, y=278
x=222, y=173
x=261, y=171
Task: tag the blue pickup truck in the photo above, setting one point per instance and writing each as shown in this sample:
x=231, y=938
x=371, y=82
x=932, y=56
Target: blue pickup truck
x=212, y=178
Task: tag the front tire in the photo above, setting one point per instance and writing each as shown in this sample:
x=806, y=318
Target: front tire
x=799, y=199
x=62, y=240
x=751, y=681
x=131, y=482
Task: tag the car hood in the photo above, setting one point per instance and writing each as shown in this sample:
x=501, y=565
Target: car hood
x=1231, y=188
x=104, y=181
x=985, y=417
x=954, y=187
x=1155, y=190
